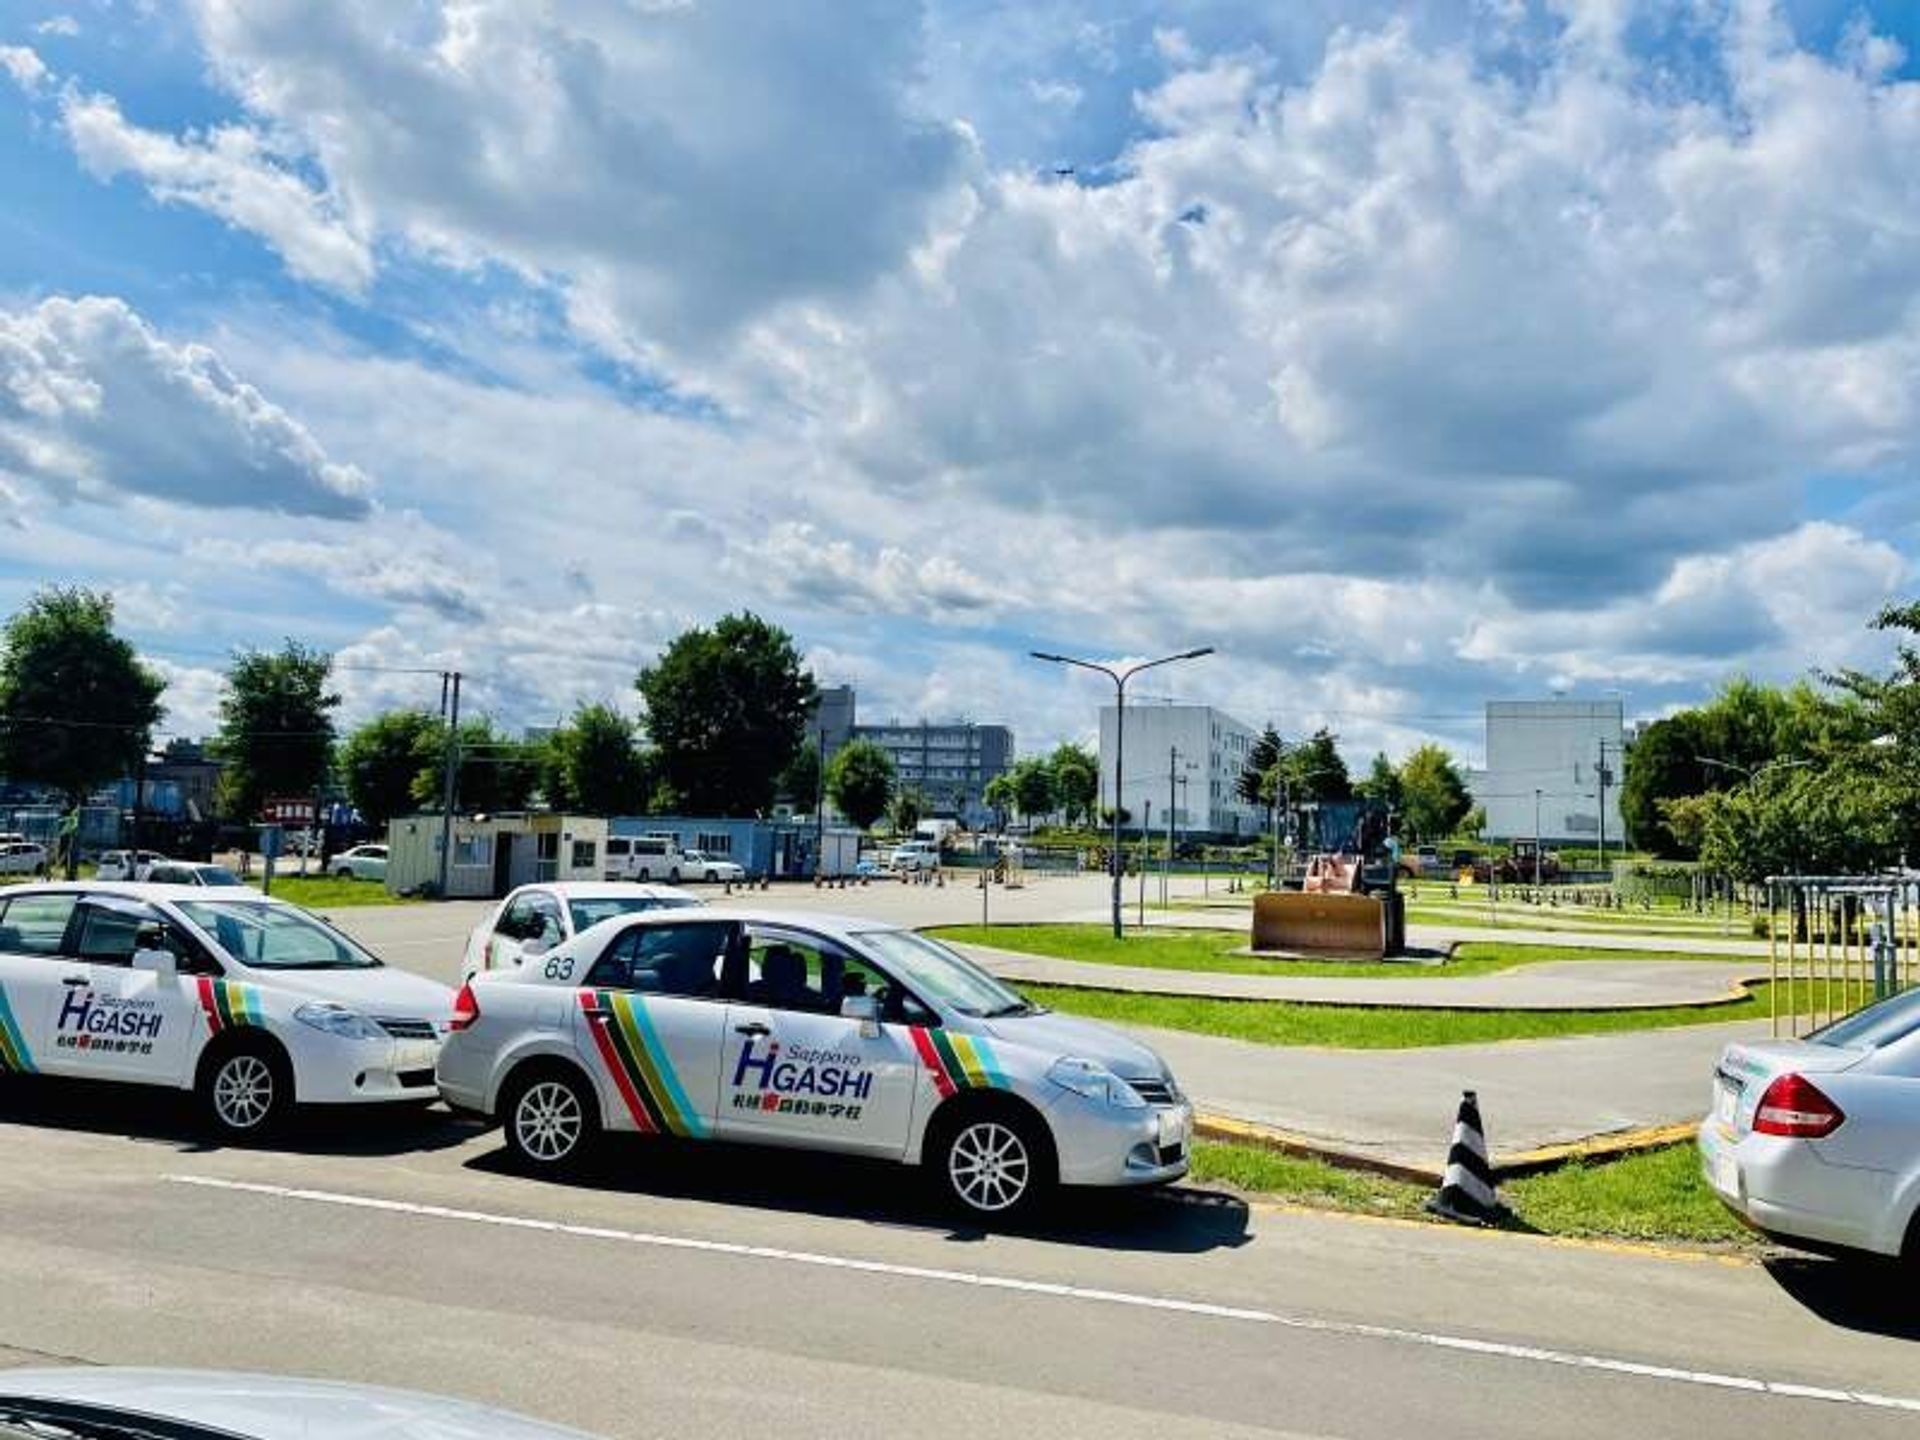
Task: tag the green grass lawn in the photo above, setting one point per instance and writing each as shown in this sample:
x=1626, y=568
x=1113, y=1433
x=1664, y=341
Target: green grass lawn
x=1656, y=1196
x=329, y=892
x=1353, y=1027
x=1214, y=950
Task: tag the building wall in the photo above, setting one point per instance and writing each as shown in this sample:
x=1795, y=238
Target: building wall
x=1553, y=747
x=781, y=848
x=950, y=763
x=1212, y=748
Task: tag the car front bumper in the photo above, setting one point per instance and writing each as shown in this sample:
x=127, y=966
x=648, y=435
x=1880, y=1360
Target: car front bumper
x=1102, y=1145
x=1784, y=1188
x=366, y=1072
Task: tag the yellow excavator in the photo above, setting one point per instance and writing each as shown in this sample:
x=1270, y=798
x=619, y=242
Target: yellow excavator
x=1348, y=904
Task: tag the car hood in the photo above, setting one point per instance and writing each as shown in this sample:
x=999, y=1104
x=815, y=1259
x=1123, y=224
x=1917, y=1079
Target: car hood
x=269, y=1407
x=1087, y=1039
x=385, y=991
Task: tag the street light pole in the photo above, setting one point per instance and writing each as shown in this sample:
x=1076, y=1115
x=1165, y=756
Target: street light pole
x=1120, y=679
x=1536, y=838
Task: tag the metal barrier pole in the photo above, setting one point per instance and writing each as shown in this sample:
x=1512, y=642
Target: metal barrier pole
x=1793, y=924
x=1773, y=960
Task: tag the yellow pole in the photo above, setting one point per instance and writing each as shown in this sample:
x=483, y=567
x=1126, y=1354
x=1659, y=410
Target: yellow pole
x=1773, y=961
x=1826, y=957
x=1793, y=958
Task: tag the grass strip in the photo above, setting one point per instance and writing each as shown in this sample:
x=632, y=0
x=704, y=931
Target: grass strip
x=1658, y=1196
x=1352, y=1027
x=332, y=892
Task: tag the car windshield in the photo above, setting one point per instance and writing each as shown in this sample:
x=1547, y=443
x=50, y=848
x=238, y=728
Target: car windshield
x=1881, y=1023
x=266, y=936
x=588, y=913
x=943, y=975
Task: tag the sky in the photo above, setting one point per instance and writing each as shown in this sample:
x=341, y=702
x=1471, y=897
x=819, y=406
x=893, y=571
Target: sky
x=1412, y=355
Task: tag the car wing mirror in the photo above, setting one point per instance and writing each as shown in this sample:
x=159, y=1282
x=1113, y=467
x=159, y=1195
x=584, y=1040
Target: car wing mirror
x=157, y=961
x=865, y=1009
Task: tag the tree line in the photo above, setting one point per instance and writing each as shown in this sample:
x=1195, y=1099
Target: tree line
x=1425, y=792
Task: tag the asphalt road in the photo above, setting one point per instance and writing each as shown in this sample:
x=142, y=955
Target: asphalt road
x=691, y=1293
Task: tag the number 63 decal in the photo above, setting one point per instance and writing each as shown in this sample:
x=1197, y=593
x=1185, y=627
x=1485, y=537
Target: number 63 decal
x=560, y=968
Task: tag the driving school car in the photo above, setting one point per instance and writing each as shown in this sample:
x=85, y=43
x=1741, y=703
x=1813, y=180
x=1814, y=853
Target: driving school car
x=250, y=1003
x=535, y=918
x=814, y=1032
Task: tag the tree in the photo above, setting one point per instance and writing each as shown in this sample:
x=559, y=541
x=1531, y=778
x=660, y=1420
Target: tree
x=1033, y=792
x=999, y=797
x=905, y=810
x=727, y=710
x=1382, y=785
x=381, y=760
x=1076, y=780
x=1834, y=821
x=1315, y=771
x=496, y=772
x=1258, y=778
x=1886, y=742
x=77, y=708
x=800, y=783
x=860, y=782
x=1433, y=793
x=276, y=726
x=592, y=764
x=1662, y=766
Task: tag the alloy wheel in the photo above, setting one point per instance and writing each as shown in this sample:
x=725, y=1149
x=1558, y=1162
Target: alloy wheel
x=548, y=1121
x=989, y=1166
x=243, y=1092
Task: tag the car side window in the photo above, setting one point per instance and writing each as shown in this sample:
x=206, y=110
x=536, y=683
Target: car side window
x=788, y=970
x=108, y=935
x=36, y=924
x=684, y=960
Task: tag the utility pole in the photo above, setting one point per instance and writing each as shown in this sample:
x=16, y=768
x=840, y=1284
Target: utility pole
x=1146, y=833
x=820, y=809
x=1173, y=772
x=1604, y=775
x=450, y=781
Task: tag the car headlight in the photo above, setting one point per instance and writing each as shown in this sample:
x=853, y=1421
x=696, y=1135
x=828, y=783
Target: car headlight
x=1095, y=1082
x=338, y=1020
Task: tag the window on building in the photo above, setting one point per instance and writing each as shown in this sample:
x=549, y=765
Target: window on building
x=713, y=842
x=473, y=850
x=585, y=854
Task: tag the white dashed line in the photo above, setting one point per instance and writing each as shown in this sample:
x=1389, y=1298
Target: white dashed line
x=1498, y=1349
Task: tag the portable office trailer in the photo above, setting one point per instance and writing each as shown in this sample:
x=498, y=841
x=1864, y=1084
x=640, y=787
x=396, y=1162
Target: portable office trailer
x=493, y=853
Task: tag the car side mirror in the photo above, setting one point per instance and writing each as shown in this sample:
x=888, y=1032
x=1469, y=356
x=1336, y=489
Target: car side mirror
x=865, y=1009
x=162, y=964
x=538, y=944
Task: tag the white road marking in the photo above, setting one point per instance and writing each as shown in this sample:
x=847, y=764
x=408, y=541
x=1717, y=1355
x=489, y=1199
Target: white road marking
x=1432, y=1340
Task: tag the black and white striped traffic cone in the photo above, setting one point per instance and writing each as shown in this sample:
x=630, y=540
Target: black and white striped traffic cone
x=1467, y=1193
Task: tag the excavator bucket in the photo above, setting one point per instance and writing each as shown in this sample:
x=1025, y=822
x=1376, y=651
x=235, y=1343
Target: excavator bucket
x=1323, y=922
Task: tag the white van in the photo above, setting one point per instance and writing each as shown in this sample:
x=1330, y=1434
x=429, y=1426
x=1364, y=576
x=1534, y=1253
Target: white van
x=646, y=858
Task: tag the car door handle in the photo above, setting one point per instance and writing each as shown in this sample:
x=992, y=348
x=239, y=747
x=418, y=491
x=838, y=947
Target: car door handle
x=756, y=1028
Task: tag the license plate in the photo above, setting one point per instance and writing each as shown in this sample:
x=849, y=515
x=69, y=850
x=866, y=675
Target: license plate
x=1726, y=1172
x=1174, y=1125
x=1726, y=1104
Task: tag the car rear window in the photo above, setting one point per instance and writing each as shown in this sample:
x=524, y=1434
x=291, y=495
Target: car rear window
x=1880, y=1024
x=35, y=924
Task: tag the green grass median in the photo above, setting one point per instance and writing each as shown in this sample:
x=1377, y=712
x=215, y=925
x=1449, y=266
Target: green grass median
x=1658, y=1196
x=1358, y=1027
x=1215, y=950
x=331, y=892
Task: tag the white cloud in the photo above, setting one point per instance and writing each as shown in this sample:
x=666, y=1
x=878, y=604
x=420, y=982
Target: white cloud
x=233, y=172
x=64, y=26
x=24, y=67
x=95, y=405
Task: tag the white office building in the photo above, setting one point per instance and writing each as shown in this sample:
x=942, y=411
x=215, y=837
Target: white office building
x=1545, y=757
x=1202, y=748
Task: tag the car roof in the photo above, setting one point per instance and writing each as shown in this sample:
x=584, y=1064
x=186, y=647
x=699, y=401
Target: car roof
x=141, y=890
x=606, y=890
x=821, y=923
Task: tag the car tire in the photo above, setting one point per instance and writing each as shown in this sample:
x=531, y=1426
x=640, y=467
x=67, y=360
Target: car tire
x=244, y=1091
x=673, y=876
x=991, y=1163
x=550, y=1118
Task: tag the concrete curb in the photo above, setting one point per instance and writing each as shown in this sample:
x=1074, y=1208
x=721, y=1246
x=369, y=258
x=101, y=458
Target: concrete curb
x=1617, y=1145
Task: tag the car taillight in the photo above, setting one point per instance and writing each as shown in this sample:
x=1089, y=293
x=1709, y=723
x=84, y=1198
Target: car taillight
x=466, y=1009
x=1794, y=1106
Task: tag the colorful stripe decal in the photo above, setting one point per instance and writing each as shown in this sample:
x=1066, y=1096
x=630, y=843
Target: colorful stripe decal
x=13, y=1045
x=958, y=1062
x=228, y=1003
x=632, y=1051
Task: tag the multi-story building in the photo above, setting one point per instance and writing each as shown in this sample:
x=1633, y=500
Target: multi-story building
x=1202, y=749
x=950, y=762
x=1549, y=763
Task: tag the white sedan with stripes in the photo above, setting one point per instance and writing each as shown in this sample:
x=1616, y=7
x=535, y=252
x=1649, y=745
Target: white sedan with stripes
x=802, y=1030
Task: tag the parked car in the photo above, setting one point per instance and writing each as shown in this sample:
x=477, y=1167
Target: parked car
x=808, y=1031
x=86, y=1400
x=246, y=1001
x=1814, y=1141
x=535, y=918
x=187, y=872
x=914, y=856
x=698, y=865
x=362, y=862
x=126, y=864
x=22, y=857
x=646, y=858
